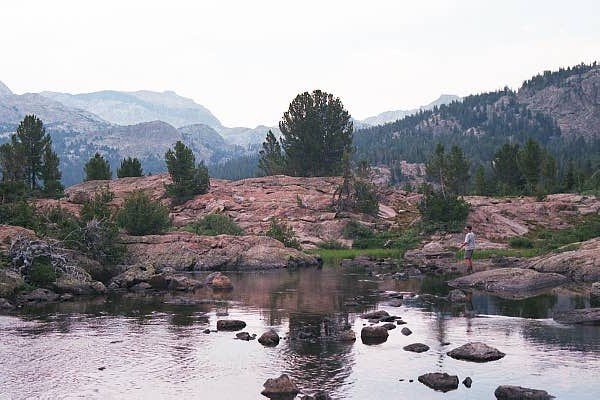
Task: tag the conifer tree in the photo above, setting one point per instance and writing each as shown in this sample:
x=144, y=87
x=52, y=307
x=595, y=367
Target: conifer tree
x=130, y=167
x=458, y=171
x=480, y=183
x=188, y=178
x=530, y=160
x=51, y=174
x=33, y=141
x=506, y=169
x=271, y=161
x=316, y=132
x=97, y=168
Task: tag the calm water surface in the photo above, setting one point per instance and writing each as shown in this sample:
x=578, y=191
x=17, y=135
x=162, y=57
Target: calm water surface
x=151, y=350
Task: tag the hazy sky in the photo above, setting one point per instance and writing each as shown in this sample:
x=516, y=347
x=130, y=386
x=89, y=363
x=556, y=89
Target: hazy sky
x=245, y=60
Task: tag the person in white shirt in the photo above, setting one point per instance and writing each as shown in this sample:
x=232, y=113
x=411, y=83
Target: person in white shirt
x=469, y=245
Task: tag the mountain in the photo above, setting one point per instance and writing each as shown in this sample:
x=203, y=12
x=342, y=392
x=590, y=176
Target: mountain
x=247, y=136
x=560, y=110
x=4, y=90
x=571, y=96
x=391, y=116
x=130, y=108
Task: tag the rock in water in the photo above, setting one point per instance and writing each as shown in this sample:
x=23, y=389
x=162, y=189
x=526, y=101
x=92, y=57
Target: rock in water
x=440, y=381
x=218, y=281
x=374, y=334
x=375, y=315
x=457, y=296
x=416, y=347
x=507, y=392
x=230, y=325
x=280, y=388
x=476, y=351
x=244, y=336
x=467, y=382
x=346, y=336
x=320, y=395
x=5, y=304
x=389, y=326
x=270, y=338
x=406, y=331
x=588, y=316
x=40, y=295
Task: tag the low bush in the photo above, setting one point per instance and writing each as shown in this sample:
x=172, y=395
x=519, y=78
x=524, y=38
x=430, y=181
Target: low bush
x=446, y=213
x=366, y=197
x=521, y=242
x=98, y=206
x=284, y=233
x=332, y=245
x=216, y=224
x=140, y=215
x=41, y=273
x=356, y=230
x=19, y=213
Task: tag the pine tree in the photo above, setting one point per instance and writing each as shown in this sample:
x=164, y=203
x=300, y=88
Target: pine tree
x=51, y=174
x=316, y=131
x=271, y=161
x=97, y=168
x=437, y=168
x=569, y=179
x=33, y=142
x=530, y=161
x=188, y=179
x=130, y=167
x=458, y=171
x=506, y=169
x=548, y=171
x=480, y=183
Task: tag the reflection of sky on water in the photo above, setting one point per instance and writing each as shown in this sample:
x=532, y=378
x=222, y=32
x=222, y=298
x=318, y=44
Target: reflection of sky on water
x=153, y=350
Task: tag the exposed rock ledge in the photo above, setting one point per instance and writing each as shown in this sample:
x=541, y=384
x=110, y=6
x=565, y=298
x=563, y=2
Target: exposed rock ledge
x=580, y=265
x=184, y=251
x=510, y=282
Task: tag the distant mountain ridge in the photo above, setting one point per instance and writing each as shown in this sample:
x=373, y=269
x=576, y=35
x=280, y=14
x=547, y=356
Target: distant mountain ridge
x=129, y=108
x=391, y=116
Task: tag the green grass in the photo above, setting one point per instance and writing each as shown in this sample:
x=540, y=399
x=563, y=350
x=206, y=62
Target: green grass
x=331, y=256
x=491, y=253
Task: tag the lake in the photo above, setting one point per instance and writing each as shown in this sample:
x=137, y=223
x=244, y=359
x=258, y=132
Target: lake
x=137, y=346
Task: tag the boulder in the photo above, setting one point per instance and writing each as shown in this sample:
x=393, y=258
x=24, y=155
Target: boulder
x=10, y=282
x=280, y=388
x=78, y=284
x=457, y=296
x=476, y=351
x=509, y=282
x=586, y=316
x=507, y=392
x=440, y=381
x=39, y=296
x=389, y=326
x=468, y=382
x=219, y=281
x=416, y=347
x=375, y=315
x=346, y=336
x=405, y=331
x=373, y=334
x=134, y=274
x=244, y=336
x=270, y=338
x=230, y=325
x=5, y=304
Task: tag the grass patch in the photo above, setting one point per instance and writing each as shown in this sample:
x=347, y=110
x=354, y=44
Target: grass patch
x=333, y=256
x=213, y=225
x=484, y=254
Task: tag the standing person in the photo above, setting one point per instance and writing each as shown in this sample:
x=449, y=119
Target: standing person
x=469, y=245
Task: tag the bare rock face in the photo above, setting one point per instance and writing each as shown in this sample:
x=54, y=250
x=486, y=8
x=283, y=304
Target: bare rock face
x=580, y=265
x=187, y=251
x=507, y=392
x=476, y=351
x=574, y=103
x=440, y=381
x=280, y=388
x=509, y=282
x=588, y=316
x=374, y=334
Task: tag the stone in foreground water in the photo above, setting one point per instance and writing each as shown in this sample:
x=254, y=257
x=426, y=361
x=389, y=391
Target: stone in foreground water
x=440, y=381
x=476, y=351
x=280, y=388
x=507, y=392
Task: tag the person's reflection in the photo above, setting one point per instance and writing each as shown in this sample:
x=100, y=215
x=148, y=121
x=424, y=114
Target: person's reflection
x=469, y=311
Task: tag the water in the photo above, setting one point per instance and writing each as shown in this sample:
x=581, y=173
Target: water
x=137, y=347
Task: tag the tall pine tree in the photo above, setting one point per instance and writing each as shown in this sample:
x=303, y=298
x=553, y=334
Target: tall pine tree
x=316, y=132
x=130, y=167
x=97, y=169
x=271, y=160
x=188, y=178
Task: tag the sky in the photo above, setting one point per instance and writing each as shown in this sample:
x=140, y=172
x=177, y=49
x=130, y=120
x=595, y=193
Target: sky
x=246, y=60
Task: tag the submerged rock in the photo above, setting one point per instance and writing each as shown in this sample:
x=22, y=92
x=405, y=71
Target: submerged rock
x=245, y=336
x=270, y=338
x=320, y=395
x=507, y=392
x=510, y=282
x=457, y=296
x=346, y=336
x=230, y=325
x=219, y=281
x=373, y=334
x=440, y=381
x=476, y=351
x=39, y=296
x=280, y=388
x=587, y=316
x=416, y=347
